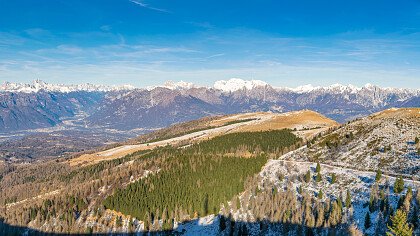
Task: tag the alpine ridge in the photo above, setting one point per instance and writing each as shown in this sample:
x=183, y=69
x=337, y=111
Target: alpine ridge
x=40, y=105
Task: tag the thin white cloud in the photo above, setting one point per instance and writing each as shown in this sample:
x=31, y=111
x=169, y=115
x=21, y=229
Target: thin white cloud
x=170, y=50
x=144, y=5
x=216, y=55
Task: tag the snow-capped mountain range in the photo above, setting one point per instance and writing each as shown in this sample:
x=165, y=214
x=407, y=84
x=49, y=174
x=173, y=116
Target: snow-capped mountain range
x=40, y=105
x=231, y=85
x=38, y=85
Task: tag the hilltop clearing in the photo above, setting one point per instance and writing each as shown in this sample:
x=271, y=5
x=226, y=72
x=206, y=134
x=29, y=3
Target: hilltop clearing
x=305, y=124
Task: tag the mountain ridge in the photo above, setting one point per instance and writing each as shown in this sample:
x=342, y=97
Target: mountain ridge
x=40, y=105
x=231, y=85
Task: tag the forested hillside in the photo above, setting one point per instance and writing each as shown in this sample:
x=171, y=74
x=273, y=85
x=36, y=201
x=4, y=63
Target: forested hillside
x=198, y=179
x=170, y=183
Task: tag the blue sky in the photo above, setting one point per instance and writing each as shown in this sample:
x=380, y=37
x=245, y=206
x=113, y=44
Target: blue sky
x=146, y=42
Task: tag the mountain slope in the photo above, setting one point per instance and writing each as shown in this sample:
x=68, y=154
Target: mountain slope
x=21, y=111
x=384, y=140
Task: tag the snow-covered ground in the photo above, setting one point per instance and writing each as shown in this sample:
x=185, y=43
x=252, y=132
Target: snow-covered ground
x=359, y=183
x=382, y=141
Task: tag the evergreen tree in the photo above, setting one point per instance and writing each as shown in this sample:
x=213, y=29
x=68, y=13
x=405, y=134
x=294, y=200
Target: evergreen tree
x=399, y=226
x=410, y=191
x=308, y=176
x=368, y=222
x=333, y=178
x=371, y=203
x=318, y=168
x=340, y=204
x=348, y=199
x=407, y=201
x=416, y=140
x=318, y=177
x=399, y=184
x=147, y=221
x=206, y=205
x=238, y=203
x=119, y=221
x=320, y=194
x=378, y=175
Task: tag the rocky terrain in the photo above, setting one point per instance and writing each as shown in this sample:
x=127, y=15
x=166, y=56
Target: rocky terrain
x=384, y=140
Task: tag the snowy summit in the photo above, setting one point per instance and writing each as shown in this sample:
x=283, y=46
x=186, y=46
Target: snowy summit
x=236, y=84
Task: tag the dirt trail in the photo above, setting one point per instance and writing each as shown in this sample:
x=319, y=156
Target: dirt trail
x=362, y=172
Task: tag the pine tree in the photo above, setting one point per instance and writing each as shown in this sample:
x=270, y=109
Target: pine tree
x=320, y=194
x=206, y=205
x=119, y=221
x=378, y=175
x=165, y=220
x=333, y=178
x=399, y=225
x=308, y=176
x=238, y=203
x=410, y=190
x=320, y=215
x=318, y=177
x=340, y=204
x=348, y=199
x=318, y=168
x=371, y=204
x=407, y=201
x=399, y=184
x=367, y=221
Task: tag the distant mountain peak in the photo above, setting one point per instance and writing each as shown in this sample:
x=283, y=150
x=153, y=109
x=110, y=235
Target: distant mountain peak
x=180, y=85
x=236, y=84
x=39, y=85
